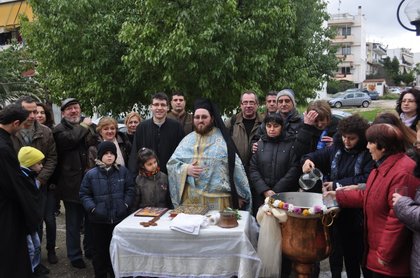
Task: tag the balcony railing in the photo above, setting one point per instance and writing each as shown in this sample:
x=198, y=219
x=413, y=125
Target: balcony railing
x=342, y=39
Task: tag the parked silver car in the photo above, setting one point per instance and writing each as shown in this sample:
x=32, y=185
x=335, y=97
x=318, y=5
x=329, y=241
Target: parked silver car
x=350, y=99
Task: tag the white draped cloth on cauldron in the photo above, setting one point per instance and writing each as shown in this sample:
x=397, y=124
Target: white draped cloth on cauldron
x=269, y=240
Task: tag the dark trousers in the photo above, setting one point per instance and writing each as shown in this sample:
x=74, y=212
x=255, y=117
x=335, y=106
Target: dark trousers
x=102, y=235
x=49, y=219
x=286, y=267
x=372, y=274
x=75, y=217
x=347, y=244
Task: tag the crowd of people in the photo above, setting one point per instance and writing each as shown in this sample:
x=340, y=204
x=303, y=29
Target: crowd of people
x=102, y=175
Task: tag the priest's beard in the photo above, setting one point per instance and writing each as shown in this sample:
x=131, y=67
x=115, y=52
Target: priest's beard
x=203, y=130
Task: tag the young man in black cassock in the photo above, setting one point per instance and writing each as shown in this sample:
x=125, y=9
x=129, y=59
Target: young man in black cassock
x=19, y=210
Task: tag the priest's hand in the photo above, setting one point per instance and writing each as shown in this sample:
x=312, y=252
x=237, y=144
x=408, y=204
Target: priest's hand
x=241, y=202
x=269, y=193
x=194, y=170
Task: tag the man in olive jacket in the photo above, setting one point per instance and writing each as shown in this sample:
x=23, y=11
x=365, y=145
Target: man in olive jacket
x=40, y=137
x=244, y=126
x=72, y=138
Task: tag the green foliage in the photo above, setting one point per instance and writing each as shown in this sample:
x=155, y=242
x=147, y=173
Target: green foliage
x=393, y=75
x=370, y=115
x=13, y=62
x=335, y=86
x=116, y=53
x=233, y=211
x=79, y=53
x=390, y=96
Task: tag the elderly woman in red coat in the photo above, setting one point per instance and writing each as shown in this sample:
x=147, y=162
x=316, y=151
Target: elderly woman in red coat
x=388, y=241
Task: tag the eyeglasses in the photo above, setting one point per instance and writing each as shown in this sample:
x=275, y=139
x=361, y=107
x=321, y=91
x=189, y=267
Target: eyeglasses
x=248, y=102
x=284, y=100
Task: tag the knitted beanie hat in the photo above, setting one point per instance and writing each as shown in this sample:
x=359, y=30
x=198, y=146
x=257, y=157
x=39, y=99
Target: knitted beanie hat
x=289, y=93
x=29, y=156
x=106, y=146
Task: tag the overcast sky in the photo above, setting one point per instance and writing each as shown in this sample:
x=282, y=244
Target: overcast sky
x=381, y=21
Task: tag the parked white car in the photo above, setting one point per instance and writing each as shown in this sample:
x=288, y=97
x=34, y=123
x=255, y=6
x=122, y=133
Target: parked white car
x=394, y=91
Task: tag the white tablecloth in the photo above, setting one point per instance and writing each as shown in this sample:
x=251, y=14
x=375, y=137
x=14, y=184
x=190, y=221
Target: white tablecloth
x=160, y=252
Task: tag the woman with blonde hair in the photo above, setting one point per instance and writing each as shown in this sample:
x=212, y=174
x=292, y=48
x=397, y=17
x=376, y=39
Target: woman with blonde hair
x=132, y=120
x=107, y=130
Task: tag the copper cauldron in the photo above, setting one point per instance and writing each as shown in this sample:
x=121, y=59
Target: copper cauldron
x=306, y=239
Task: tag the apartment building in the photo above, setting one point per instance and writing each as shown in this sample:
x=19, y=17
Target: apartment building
x=375, y=52
x=10, y=11
x=404, y=56
x=351, y=43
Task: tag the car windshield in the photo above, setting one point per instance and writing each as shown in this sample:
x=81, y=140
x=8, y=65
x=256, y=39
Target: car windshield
x=341, y=94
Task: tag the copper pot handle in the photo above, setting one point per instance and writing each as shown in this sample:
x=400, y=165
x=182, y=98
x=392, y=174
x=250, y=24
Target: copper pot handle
x=328, y=219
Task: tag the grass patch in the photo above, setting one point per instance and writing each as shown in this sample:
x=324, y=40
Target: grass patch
x=390, y=96
x=369, y=115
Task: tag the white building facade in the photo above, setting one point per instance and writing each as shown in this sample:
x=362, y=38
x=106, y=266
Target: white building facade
x=351, y=43
x=405, y=58
x=375, y=52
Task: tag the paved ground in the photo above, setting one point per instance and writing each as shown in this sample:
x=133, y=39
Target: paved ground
x=64, y=269
x=386, y=105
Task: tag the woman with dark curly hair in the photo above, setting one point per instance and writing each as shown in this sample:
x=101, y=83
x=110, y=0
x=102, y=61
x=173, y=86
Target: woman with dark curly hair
x=346, y=163
x=408, y=107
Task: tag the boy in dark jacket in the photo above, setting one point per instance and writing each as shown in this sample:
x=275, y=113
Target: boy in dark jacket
x=30, y=160
x=107, y=192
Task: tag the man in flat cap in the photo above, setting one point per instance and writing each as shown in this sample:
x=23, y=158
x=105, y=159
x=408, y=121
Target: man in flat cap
x=205, y=168
x=73, y=136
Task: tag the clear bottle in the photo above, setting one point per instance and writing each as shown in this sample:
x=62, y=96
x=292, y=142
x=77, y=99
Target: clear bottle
x=328, y=200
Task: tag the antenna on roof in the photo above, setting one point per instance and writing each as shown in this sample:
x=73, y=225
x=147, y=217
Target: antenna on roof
x=339, y=5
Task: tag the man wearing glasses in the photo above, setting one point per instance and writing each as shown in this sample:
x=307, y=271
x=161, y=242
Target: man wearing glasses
x=159, y=133
x=244, y=125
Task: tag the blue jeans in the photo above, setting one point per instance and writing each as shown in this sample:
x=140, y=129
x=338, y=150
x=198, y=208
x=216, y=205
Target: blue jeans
x=34, y=249
x=75, y=217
